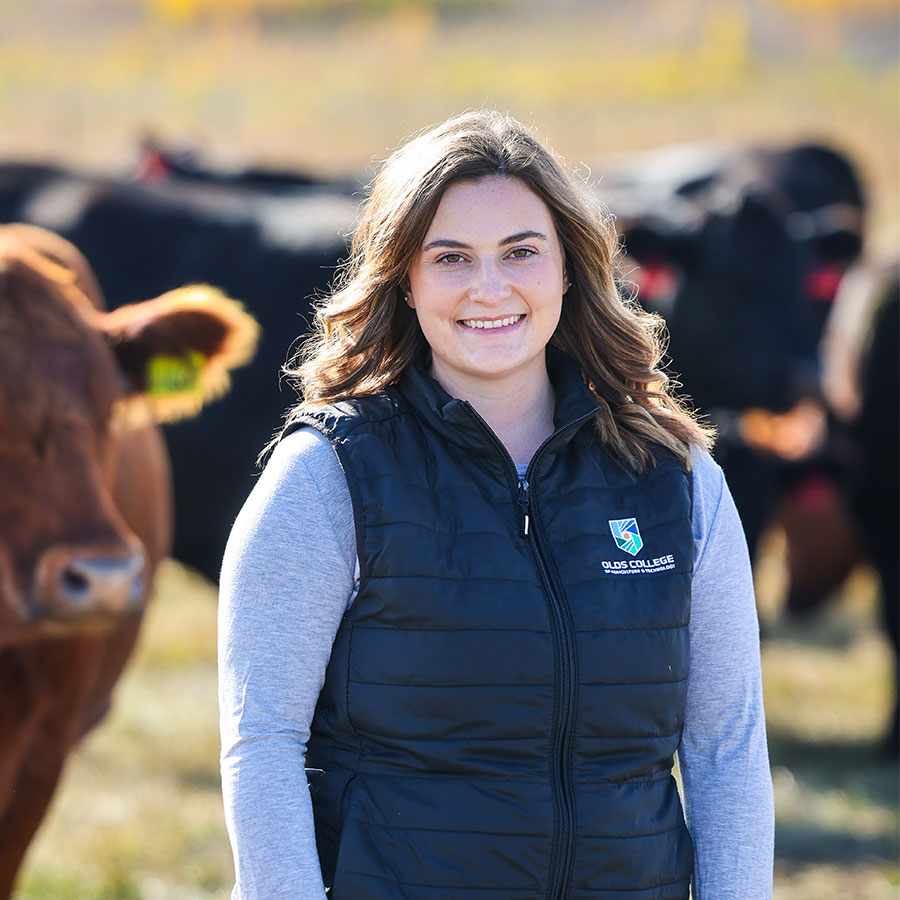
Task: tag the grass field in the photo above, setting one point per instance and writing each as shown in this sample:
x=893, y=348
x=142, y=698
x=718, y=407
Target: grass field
x=139, y=816
x=81, y=79
x=140, y=811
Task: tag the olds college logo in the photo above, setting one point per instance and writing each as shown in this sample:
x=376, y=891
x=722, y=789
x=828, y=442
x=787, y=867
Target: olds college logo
x=626, y=535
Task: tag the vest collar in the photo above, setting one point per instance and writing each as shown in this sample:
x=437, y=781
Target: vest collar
x=458, y=422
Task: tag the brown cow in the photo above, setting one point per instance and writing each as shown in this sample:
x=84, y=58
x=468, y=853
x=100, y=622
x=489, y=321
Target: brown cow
x=85, y=497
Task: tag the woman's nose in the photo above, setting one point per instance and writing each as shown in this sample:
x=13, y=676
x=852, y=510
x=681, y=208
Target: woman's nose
x=489, y=283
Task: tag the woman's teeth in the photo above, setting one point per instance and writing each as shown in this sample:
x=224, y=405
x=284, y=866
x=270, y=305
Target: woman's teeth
x=491, y=323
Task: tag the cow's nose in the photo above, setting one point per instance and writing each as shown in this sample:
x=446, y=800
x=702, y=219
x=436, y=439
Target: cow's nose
x=79, y=585
x=106, y=584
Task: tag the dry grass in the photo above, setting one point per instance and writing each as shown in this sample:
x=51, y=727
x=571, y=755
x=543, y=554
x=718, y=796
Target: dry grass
x=828, y=691
x=139, y=816
x=328, y=94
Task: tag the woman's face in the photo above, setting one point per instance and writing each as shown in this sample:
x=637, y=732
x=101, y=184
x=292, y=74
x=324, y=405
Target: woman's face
x=487, y=285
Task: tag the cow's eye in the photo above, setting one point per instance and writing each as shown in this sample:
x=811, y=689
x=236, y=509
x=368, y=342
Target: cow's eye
x=40, y=443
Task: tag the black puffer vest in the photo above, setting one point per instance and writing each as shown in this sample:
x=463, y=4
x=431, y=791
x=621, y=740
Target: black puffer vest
x=506, y=693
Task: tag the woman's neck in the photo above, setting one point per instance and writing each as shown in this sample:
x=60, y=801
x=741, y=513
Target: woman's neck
x=520, y=413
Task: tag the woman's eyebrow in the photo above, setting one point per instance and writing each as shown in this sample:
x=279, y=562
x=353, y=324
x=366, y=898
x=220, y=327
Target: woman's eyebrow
x=522, y=236
x=446, y=242
x=459, y=245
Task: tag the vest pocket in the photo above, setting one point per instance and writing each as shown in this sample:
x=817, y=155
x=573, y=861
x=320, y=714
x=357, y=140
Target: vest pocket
x=330, y=798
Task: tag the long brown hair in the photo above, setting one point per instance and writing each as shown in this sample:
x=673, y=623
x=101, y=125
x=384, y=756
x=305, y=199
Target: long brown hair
x=364, y=336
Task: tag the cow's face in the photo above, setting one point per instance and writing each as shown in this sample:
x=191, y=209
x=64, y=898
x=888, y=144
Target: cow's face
x=67, y=399
x=741, y=251
x=739, y=334
x=65, y=553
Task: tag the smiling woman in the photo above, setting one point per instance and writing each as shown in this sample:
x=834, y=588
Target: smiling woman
x=489, y=306
x=490, y=582
x=366, y=336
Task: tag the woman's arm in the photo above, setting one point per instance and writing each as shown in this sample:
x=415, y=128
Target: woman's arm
x=287, y=577
x=723, y=756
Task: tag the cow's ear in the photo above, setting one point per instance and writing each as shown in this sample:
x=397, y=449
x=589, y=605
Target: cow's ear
x=176, y=351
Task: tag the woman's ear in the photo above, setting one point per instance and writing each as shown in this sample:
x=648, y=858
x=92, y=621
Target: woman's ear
x=406, y=293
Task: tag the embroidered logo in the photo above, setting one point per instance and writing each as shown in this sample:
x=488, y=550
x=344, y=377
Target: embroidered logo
x=626, y=534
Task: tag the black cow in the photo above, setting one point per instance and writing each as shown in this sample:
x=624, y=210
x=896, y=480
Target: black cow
x=740, y=250
x=868, y=432
x=759, y=241
x=155, y=162
x=813, y=189
x=846, y=509
x=738, y=334
x=875, y=494
x=272, y=250
x=824, y=205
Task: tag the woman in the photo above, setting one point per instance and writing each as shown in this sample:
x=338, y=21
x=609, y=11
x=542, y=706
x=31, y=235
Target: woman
x=461, y=594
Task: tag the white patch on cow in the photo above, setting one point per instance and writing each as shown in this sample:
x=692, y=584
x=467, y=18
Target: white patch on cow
x=59, y=205
x=295, y=223
x=309, y=217
x=636, y=184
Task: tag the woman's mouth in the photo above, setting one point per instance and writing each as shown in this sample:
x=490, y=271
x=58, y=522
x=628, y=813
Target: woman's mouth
x=488, y=324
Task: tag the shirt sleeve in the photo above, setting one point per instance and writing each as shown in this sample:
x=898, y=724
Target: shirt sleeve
x=287, y=579
x=723, y=755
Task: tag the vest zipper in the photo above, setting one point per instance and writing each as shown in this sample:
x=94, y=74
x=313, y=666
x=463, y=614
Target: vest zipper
x=564, y=803
x=561, y=868
x=523, y=502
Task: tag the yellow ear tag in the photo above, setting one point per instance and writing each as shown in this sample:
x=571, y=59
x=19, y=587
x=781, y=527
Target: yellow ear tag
x=168, y=375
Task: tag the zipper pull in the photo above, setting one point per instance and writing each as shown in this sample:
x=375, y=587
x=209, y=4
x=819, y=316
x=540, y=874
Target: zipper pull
x=523, y=502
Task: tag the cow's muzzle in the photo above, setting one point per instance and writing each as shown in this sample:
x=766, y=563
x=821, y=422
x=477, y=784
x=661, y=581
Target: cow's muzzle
x=74, y=584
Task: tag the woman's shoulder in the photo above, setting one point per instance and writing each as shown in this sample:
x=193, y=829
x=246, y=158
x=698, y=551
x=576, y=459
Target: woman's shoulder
x=301, y=457
x=302, y=474
x=301, y=491
x=341, y=417
x=707, y=474
x=709, y=487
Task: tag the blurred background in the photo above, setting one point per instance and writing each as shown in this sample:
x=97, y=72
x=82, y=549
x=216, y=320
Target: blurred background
x=325, y=88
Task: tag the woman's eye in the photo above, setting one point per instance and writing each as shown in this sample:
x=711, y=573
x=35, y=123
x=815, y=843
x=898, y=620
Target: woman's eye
x=451, y=258
x=521, y=253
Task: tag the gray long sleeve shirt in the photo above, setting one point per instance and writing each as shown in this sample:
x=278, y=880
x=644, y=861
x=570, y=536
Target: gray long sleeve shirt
x=289, y=574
